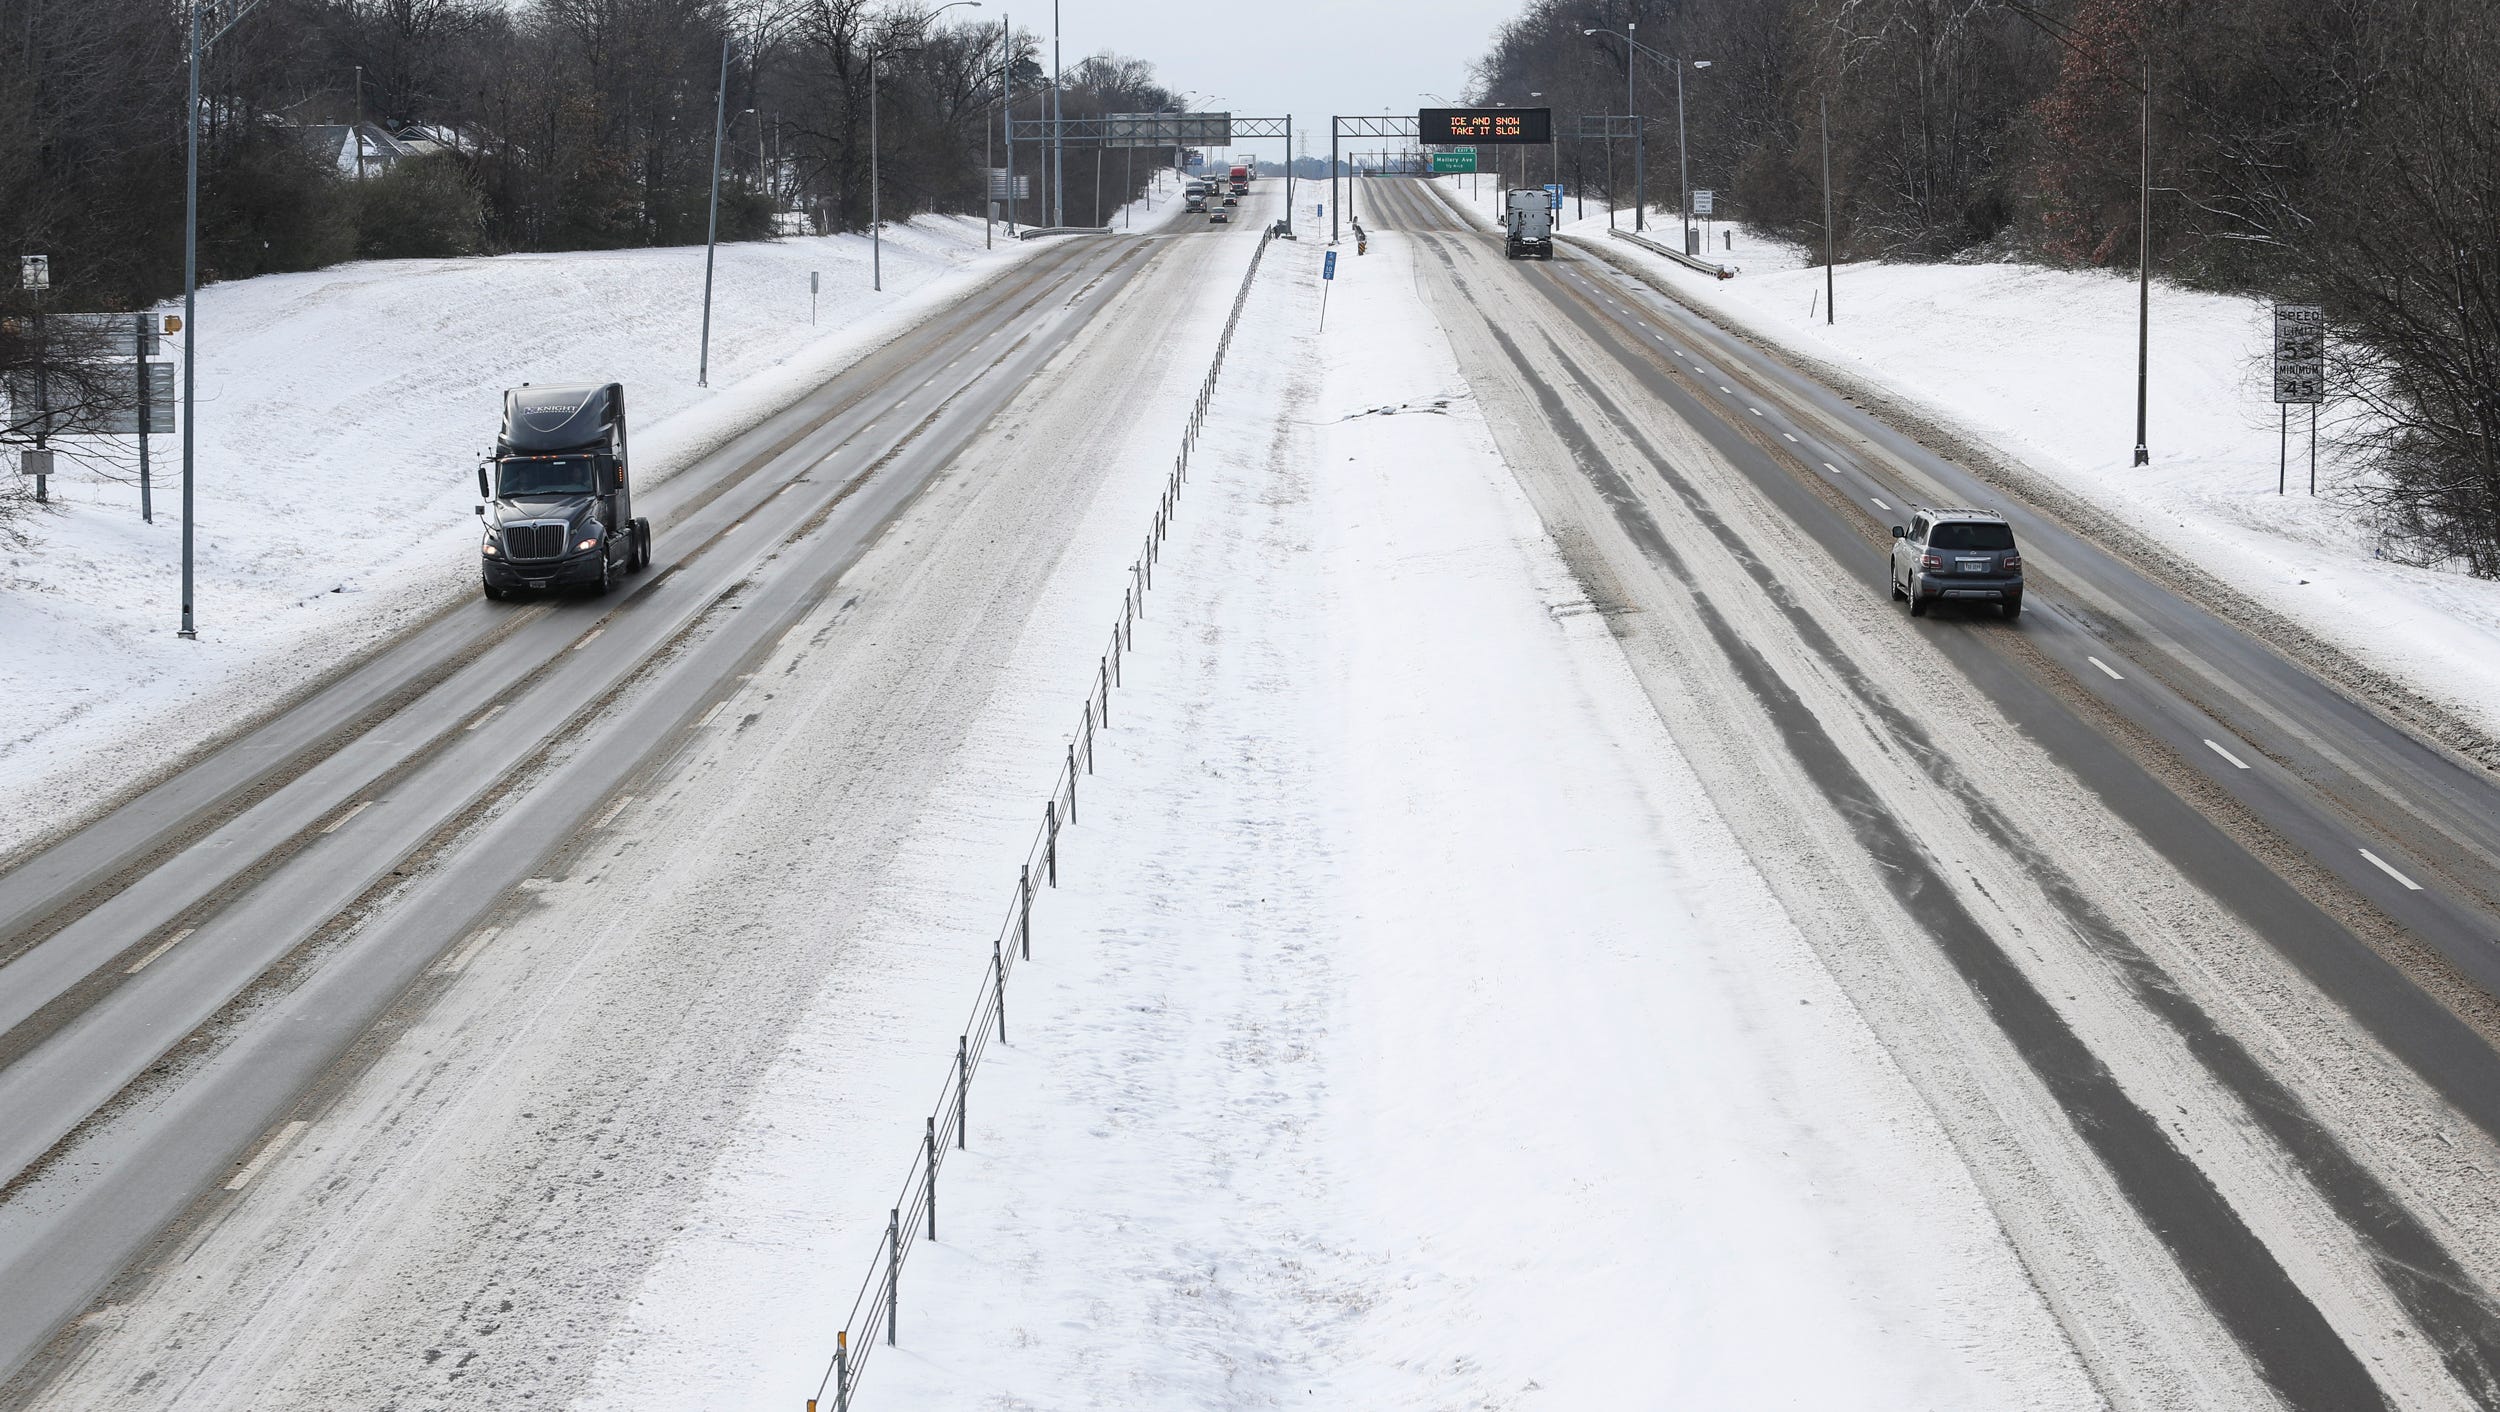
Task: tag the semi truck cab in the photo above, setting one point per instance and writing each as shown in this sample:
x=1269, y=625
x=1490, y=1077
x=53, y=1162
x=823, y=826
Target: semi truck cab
x=558, y=503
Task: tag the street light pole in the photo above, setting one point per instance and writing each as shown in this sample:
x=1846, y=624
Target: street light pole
x=711, y=231
x=2144, y=270
x=1640, y=154
x=1823, y=111
x=191, y=288
x=1058, y=138
x=1683, y=165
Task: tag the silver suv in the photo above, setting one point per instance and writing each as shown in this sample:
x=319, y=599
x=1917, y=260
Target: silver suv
x=1957, y=554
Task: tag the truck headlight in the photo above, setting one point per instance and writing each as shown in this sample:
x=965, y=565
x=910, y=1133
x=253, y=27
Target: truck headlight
x=591, y=542
x=489, y=550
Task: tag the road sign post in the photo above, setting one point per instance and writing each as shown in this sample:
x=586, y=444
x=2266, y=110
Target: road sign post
x=1327, y=276
x=2299, y=377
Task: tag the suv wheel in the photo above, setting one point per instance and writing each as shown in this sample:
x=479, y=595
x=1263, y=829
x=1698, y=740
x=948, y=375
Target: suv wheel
x=1895, y=585
x=2013, y=607
x=1918, y=605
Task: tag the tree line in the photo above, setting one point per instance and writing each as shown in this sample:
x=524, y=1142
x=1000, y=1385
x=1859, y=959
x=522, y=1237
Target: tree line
x=548, y=124
x=2338, y=152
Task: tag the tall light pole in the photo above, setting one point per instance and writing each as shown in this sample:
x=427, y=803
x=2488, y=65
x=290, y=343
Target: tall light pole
x=1640, y=166
x=191, y=286
x=1058, y=139
x=2144, y=269
x=711, y=230
x=876, y=215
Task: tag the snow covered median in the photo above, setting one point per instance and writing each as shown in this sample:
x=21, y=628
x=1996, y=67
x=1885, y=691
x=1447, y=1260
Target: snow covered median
x=2039, y=365
x=1409, y=1024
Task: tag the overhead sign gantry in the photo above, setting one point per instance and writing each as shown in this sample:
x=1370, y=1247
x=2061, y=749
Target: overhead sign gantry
x=1438, y=127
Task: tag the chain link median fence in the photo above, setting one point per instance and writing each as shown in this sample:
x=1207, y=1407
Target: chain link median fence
x=914, y=1214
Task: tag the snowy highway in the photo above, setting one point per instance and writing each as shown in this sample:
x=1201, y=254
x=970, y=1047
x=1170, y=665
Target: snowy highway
x=179, y=975
x=1731, y=514
x=1547, y=930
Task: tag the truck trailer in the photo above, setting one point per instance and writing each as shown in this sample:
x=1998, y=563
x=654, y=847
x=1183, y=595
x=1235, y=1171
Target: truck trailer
x=1528, y=225
x=558, y=510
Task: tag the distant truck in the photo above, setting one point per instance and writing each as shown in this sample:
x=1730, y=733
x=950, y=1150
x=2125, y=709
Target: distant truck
x=1241, y=181
x=1528, y=226
x=558, y=511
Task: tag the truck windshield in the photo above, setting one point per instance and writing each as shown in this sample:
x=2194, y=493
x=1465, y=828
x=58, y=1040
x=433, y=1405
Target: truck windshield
x=545, y=475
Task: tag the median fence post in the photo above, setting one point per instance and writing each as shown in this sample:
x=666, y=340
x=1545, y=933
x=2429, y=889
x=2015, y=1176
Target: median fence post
x=963, y=1088
x=1102, y=674
x=1024, y=909
x=893, y=1271
x=1089, y=720
x=998, y=965
x=842, y=1371
x=932, y=1186
x=1050, y=838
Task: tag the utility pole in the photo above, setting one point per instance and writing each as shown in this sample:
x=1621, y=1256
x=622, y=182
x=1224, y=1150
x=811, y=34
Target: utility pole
x=1823, y=110
x=2144, y=270
x=711, y=233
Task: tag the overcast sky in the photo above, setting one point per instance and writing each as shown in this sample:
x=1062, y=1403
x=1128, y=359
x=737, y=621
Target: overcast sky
x=1307, y=58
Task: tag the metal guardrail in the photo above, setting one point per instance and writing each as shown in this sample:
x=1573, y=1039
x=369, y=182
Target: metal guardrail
x=915, y=1212
x=1688, y=261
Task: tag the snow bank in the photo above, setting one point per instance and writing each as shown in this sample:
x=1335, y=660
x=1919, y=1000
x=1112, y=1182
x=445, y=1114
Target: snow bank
x=2040, y=364
x=342, y=414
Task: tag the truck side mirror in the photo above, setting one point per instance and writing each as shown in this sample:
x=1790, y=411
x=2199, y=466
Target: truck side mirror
x=482, y=487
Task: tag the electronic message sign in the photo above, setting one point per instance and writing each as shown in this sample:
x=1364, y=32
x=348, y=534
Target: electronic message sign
x=1468, y=127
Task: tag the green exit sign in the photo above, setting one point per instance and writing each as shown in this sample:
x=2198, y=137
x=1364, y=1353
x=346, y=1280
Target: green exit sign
x=1462, y=160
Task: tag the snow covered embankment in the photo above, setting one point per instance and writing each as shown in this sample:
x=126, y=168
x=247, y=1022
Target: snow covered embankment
x=1411, y=1026
x=342, y=414
x=2039, y=365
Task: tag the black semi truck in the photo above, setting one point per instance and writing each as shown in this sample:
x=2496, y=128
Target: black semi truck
x=558, y=511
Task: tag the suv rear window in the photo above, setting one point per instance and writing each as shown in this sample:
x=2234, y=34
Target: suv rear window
x=1971, y=534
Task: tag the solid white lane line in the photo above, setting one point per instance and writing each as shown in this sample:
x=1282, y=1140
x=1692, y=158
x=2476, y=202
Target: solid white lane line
x=491, y=713
x=268, y=1150
x=341, y=821
x=613, y=810
x=161, y=948
x=2105, y=667
x=589, y=636
x=1880, y=505
x=2216, y=747
x=2382, y=865
x=469, y=949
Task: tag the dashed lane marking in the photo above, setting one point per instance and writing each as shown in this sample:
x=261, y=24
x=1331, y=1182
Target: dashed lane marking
x=341, y=821
x=2106, y=668
x=161, y=948
x=268, y=1151
x=1880, y=505
x=2381, y=863
x=2383, y=866
x=2216, y=747
x=1792, y=436
x=1755, y=410
x=1835, y=470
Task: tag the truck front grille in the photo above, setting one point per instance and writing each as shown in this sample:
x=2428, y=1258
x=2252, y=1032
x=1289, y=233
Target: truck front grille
x=534, y=541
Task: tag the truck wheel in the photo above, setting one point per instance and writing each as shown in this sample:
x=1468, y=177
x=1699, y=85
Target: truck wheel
x=642, y=545
x=493, y=594
x=607, y=577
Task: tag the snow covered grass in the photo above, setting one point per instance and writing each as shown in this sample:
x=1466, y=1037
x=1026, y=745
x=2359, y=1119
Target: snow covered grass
x=2040, y=364
x=1409, y=1027
x=342, y=414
